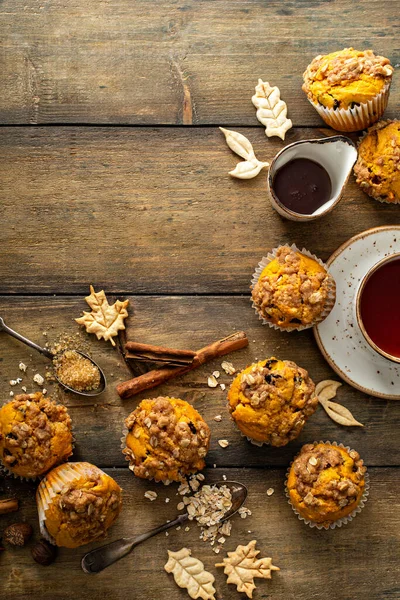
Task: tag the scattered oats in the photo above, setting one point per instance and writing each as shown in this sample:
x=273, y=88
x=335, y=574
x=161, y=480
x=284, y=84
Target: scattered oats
x=226, y=528
x=181, y=506
x=228, y=367
x=270, y=491
x=183, y=488
x=224, y=477
x=22, y=367
x=200, y=476
x=38, y=379
x=216, y=550
x=166, y=534
x=194, y=484
x=218, y=418
x=212, y=382
x=187, y=528
x=44, y=391
x=214, y=466
x=178, y=528
x=166, y=500
x=13, y=382
x=222, y=386
x=11, y=393
x=223, y=443
x=248, y=531
x=23, y=388
x=150, y=495
x=216, y=374
x=244, y=512
x=221, y=540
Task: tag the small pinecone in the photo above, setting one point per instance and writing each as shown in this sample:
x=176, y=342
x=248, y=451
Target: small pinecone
x=44, y=553
x=18, y=534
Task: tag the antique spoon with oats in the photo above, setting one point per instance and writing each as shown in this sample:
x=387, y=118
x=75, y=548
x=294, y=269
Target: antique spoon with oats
x=51, y=356
x=97, y=560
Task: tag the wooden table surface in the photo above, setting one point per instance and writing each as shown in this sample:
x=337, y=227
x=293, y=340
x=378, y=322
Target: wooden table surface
x=114, y=173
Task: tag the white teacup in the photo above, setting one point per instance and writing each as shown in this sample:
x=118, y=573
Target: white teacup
x=337, y=154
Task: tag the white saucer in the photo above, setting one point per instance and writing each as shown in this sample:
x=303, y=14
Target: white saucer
x=338, y=336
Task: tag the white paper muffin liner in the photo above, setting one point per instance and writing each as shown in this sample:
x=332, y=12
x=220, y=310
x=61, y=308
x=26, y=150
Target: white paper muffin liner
x=330, y=301
x=339, y=522
x=379, y=198
x=357, y=118
x=47, y=491
x=5, y=471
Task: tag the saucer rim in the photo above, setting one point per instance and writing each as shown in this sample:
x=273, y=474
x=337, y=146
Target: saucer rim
x=327, y=357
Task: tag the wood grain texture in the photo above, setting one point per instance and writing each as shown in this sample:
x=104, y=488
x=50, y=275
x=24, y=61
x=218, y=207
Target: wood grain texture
x=174, y=62
x=356, y=561
x=149, y=211
x=184, y=322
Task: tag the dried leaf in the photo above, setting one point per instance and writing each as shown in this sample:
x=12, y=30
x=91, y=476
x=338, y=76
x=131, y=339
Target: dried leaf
x=242, y=566
x=238, y=143
x=271, y=110
x=340, y=414
x=325, y=391
x=247, y=169
x=189, y=573
x=104, y=320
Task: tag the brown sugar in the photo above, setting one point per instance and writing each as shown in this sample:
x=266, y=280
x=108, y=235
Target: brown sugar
x=76, y=371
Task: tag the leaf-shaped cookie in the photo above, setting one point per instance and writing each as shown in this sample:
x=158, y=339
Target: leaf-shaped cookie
x=104, y=320
x=325, y=391
x=271, y=110
x=247, y=169
x=189, y=573
x=242, y=566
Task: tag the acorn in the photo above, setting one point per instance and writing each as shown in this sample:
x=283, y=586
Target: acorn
x=18, y=534
x=44, y=553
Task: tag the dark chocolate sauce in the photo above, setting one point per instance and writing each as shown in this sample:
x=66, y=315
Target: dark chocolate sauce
x=380, y=308
x=302, y=185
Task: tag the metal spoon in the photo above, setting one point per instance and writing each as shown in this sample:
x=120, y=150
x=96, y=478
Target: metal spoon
x=51, y=356
x=97, y=560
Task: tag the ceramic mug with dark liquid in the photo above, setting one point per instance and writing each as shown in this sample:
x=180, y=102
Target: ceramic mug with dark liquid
x=306, y=179
x=378, y=307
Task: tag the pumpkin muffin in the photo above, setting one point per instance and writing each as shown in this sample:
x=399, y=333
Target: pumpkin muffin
x=35, y=435
x=271, y=400
x=326, y=483
x=293, y=291
x=77, y=503
x=378, y=165
x=349, y=88
x=167, y=440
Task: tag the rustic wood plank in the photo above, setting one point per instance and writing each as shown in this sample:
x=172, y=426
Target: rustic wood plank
x=362, y=556
x=187, y=322
x=148, y=211
x=188, y=61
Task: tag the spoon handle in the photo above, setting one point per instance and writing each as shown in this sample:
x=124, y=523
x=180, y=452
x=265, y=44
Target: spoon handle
x=97, y=560
x=24, y=340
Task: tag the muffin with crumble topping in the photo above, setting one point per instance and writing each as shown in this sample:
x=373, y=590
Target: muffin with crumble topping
x=35, y=435
x=350, y=88
x=270, y=401
x=167, y=440
x=292, y=290
x=327, y=484
x=378, y=165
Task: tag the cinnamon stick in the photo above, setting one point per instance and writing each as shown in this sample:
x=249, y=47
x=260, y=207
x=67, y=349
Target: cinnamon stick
x=149, y=380
x=8, y=505
x=160, y=354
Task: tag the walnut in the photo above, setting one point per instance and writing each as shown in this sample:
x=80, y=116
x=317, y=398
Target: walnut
x=18, y=534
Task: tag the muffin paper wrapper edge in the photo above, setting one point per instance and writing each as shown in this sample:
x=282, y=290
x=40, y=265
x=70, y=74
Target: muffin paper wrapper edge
x=343, y=520
x=330, y=301
x=357, y=118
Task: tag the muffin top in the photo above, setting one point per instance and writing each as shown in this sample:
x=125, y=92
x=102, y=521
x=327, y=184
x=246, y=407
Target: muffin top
x=378, y=165
x=35, y=434
x=326, y=482
x=167, y=439
x=271, y=400
x=292, y=290
x=346, y=78
x=84, y=508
